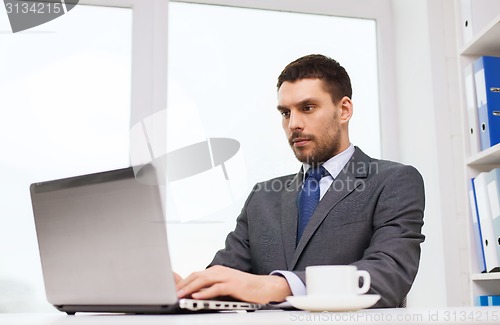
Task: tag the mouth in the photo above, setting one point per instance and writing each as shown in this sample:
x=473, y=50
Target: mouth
x=300, y=142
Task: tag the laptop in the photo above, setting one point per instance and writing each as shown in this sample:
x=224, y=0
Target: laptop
x=103, y=245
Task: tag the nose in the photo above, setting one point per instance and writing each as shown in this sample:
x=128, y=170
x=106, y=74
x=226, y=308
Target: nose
x=295, y=121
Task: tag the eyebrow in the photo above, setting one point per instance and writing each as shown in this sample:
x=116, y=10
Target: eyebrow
x=303, y=102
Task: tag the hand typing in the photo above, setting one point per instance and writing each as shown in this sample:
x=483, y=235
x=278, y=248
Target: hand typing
x=224, y=281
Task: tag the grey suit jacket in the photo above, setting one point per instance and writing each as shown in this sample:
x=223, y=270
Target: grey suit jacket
x=370, y=217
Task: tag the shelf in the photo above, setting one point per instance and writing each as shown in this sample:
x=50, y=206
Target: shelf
x=490, y=156
x=486, y=42
x=485, y=276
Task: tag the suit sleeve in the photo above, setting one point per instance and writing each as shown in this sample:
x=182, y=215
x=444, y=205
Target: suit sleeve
x=393, y=256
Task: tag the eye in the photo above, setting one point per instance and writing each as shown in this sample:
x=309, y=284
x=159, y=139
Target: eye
x=285, y=113
x=308, y=108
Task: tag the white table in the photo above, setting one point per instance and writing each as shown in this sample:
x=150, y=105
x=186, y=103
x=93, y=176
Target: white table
x=471, y=316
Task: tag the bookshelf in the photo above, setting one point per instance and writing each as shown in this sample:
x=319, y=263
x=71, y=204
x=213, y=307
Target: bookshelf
x=484, y=42
x=485, y=276
x=488, y=157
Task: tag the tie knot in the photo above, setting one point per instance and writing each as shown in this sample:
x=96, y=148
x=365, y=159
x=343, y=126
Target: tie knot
x=316, y=172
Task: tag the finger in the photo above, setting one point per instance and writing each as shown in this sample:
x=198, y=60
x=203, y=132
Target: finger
x=179, y=285
x=177, y=278
x=216, y=290
x=201, y=281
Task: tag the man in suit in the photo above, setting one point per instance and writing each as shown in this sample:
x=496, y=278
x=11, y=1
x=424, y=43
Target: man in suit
x=370, y=212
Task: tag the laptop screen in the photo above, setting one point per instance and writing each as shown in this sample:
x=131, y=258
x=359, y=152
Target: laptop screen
x=102, y=239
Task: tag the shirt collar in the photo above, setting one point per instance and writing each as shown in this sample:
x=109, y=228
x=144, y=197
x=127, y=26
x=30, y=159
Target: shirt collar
x=335, y=164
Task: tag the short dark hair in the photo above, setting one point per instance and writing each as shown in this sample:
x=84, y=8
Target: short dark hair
x=334, y=76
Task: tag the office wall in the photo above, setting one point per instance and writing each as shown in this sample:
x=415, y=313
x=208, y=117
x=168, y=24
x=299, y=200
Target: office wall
x=430, y=139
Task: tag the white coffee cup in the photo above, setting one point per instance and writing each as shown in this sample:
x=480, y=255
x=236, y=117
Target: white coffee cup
x=336, y=280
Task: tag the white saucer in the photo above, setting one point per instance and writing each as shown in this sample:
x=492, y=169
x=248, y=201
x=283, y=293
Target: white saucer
x=333, y=302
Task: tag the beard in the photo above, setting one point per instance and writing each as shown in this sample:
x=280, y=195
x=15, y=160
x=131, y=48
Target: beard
x=323, y=148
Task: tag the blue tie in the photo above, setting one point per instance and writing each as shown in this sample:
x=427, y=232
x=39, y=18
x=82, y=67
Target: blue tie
x=309, y=197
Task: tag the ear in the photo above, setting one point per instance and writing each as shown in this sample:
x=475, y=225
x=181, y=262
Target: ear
x=345, y=109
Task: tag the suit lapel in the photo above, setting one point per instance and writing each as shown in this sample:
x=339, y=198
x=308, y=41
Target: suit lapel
x=343, y=184
x=289, y=216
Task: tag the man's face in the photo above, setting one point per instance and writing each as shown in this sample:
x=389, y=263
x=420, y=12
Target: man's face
x=310, y=120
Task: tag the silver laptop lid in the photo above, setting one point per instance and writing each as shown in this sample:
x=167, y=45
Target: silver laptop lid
x=102, y=239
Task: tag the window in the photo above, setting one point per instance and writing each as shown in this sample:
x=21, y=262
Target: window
x=65, y=103
x=223, y=63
